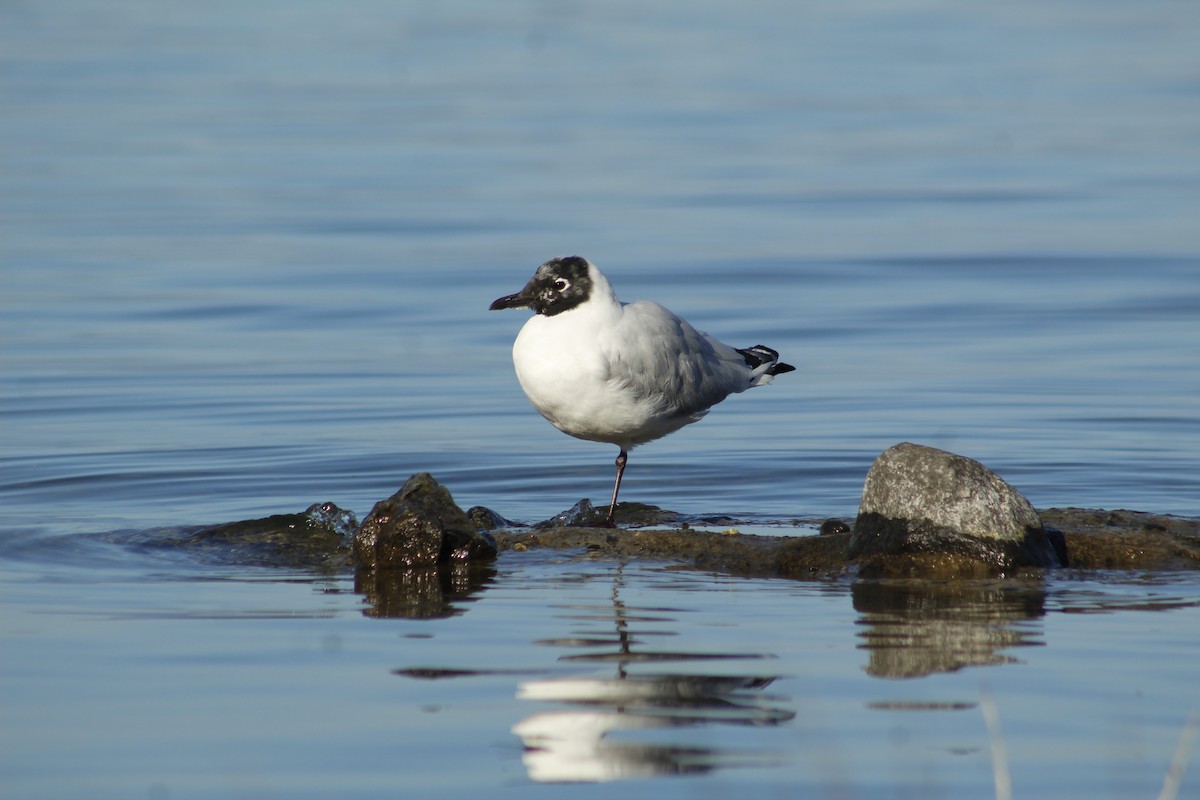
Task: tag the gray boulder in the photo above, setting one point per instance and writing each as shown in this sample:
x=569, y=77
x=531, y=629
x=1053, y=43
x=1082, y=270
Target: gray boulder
x=418, y=526
x=919, y=501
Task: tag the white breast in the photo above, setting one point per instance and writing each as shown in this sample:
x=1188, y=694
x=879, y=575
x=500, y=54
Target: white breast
x=625, y=374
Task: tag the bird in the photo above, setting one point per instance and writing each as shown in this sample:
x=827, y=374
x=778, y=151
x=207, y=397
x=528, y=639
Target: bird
x=621, y=373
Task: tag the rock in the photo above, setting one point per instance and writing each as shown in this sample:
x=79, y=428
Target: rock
x=634, y=515
x=314, y=539
x=934, y=508
x=327, y=515
x=643, y=515
x=831, y=527
x=484, y=519
x=418, y=526
x=1127, y=540
x=581, y=515
x=806, y=557
x=1095, y=540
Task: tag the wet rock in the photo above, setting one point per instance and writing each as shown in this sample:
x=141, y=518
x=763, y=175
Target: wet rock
x=1098, y=539
x=927, y=511
x=832, y=526
x=314, y=539
x=632, y=515
x=581, y=515
x=739, y=554
x=327, y=516
x=1094, y=539
x=419, y=526
x=484, y=519
x=417, y=554
x=641, y=515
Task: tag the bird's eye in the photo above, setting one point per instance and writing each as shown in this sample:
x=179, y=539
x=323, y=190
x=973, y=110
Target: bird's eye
x=562, y=284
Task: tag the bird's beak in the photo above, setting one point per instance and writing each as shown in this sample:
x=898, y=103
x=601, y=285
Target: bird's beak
x=518, y=300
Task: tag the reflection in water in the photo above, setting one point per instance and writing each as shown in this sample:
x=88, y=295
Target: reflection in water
x=572, y=745
x=422, y=592
x=914, y=628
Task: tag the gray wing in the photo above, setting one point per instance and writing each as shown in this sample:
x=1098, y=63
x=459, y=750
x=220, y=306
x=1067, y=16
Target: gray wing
x=664, y=360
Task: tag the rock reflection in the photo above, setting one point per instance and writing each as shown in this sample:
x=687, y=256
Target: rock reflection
x=421, y=592
x=572, y=744
x=914, y=628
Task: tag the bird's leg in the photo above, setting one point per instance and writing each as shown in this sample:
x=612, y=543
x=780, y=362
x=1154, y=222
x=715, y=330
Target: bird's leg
x=612, y=507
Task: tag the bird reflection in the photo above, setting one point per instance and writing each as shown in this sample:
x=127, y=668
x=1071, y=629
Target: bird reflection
x=573, y=744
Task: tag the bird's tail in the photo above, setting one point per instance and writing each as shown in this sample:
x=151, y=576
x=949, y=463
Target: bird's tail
x=765, y=363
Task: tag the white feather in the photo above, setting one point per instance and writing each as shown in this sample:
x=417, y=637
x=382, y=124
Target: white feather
x=622, y=373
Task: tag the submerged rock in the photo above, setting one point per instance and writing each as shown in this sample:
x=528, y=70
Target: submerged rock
x=931, y=511
x=418, y=526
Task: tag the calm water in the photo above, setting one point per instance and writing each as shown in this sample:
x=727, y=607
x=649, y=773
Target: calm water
x=245, y=259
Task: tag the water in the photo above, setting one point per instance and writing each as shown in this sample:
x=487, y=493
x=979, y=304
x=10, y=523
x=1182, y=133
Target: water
x=154, y=679
x=246, y=257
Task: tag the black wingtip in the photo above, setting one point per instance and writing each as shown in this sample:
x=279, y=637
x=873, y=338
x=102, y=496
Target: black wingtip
x=761, y=354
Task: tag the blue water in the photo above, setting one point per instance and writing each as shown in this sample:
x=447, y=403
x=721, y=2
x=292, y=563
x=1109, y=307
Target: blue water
x=246, y=252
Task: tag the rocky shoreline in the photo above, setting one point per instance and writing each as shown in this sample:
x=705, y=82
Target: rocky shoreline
x=1094, y=540
x=930, y=521
x=925, y=514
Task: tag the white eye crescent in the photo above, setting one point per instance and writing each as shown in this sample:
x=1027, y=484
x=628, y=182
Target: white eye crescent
x=562, y=284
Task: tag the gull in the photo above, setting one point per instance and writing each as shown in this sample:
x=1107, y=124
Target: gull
x=622, y=373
